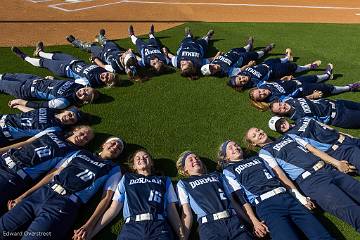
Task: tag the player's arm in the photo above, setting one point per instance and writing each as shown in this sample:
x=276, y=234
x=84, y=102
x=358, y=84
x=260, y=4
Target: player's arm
x=186, y=219
x=98, y=62
x=175, y=222
x=106, y=218
x=250, y=64
x=41, y=183
x=214, y=57
x=84, y=230
x=341, y=165
x=20, y=104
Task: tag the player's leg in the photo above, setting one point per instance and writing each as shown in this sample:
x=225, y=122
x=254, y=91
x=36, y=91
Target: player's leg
x=55, y=66
x=159, y=230
x=349, y=152
x=85, y=46
x=320, y=187
x=213, y=230
x=140, y=44
x=347, y=114
x=204, y=41
x=14, y=84
x=237, y=230
x=132, y=231
x=152, y=39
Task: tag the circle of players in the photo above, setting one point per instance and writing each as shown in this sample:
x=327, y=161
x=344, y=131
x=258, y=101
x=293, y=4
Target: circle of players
x=45, y=179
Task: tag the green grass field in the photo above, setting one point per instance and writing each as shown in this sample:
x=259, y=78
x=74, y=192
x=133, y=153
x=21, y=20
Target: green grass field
x=170, y=114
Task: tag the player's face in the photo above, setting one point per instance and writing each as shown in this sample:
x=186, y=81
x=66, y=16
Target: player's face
x=260, y=94
x=68, y=117
x=214, y=68
x=156, y=64
x=233, y=151
x=285, y=126
x=256, y=136
x=193, y=165
x=142, y=161
x=107, y=77
x=85, y=94
x=112, y=149
x=82, y=136
x=185, y=64
x=241, y=80
x=280, y=108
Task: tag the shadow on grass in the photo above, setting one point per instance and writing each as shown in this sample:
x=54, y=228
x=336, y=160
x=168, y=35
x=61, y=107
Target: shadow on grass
x=89, y=119
x=329, y=225
x=104, y=98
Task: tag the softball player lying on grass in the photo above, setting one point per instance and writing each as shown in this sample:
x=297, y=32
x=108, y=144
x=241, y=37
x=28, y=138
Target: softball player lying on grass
x=271, y=196
x=148, y=202
x=205, y=194
x=337, y=145
x=190, y=55
x=59, y=93
x=151, y=54
x=108, y=55
x=334, y=191
x=52, y=205
x=65, y=65
x=226, y=64
x=30, y=122
x=24, y=163
x=270, y=70
x=339, y=113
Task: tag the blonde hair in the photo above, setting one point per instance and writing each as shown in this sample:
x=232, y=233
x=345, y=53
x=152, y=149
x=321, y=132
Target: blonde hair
x=249, y=146
x=262, y=106
x=180, y=165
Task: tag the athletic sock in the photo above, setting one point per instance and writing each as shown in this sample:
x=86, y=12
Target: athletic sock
x=248, y=47
x=1, y=76
x=151, y=36
x=302, y=68
x=322, y=77
x=284, y=59
x=340, y=89
x=133, y=39
x=260, y=53
x=46, y=55
x=33, y=61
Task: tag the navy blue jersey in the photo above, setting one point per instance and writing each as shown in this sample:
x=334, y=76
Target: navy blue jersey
x=257, y=74
x=112, y=58
x=320, y=109
x=281, y=89
x=84, y=171
x=189, y=51
x=144, y=194
x=236, y=57
x=192, y=190
x=292, y=157
x=92, y=73
x=251, y=176
x=149, y=52
x=314, y=133
x=26, y=124
x=41, y=155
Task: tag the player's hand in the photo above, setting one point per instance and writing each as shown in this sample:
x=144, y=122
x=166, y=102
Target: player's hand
x=345, y=167
x=49, y=78
x=12, y=203
x=251, y=63
x=15, y=102
x=165, y=51
x=287, y=78
x=260, y=229
x=309, y=204
x=317, y=94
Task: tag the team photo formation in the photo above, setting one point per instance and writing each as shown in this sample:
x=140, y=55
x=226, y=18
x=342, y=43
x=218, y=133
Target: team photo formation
x=266, y=189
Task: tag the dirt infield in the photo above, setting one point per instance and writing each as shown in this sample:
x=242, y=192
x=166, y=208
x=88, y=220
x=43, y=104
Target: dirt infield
x=24, y=22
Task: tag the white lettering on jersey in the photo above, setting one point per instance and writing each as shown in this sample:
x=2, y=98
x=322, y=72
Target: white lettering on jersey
x=304, y=105
x=199, y=182
x=254, y=162
x=145, y=180
x=282, y=144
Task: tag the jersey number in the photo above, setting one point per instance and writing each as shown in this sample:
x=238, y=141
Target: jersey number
x=222, y=194
x=26, y=122
x=43, y=151
x=155, y=196
x=86, y=175
x=267, y=174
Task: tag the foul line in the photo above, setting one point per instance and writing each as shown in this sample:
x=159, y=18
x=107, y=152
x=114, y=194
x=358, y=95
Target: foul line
x=58, y=6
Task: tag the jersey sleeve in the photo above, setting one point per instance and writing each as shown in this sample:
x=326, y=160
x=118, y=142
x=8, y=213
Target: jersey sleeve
x=58, y=103
x=234, y=72
x=268, y=158
x=82, y=81
x=42, y=133
x=231, y=182
x=182, y=193
x=299, y=140
x=113, y=180
x=109, y=68
x=120, y=191
x=170, y=192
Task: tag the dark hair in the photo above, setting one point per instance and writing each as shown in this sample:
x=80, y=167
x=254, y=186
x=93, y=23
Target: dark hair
x=190, y=73
x=277, y=114
x=278, y=125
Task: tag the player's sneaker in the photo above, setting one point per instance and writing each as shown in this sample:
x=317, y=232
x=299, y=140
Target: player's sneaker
x=39, y=48
x=131, y=30
x=70, y=38
x=269, y=47
x=188, y=32
x=19, y=53
x=210, y=34
x=315, y=64
x=250, y=42
x=289, y=54
x=354, y=87
x=152, y=30
x=329, y=71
